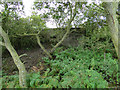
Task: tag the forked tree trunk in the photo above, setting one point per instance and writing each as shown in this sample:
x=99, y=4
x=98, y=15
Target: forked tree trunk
x=68, y=29
x=63, y=38
x=17, y=61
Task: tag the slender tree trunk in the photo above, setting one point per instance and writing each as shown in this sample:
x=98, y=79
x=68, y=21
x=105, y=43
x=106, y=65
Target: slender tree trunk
x=68, y=29
x=63, y=38
x=43, y=48
x=17, y=61
x=119, y=31
x=111, y=8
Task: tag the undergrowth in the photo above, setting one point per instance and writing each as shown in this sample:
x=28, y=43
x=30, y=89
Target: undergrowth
x=72, y=68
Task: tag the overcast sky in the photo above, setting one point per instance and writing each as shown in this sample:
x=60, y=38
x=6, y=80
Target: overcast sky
x=28, y=11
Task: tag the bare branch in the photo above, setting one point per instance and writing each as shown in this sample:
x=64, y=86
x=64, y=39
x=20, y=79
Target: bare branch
x=68, y=29
x=38, y=40
x=23, y=55
x=29, y=34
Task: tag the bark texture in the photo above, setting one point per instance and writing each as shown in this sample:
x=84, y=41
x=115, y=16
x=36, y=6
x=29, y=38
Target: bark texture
x=43, y=48
x=17, y=61
x=111, y=8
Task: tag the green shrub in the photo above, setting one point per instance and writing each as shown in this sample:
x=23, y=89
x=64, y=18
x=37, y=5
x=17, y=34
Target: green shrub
x=10, y=81
x=74, y=61
x=75, y=68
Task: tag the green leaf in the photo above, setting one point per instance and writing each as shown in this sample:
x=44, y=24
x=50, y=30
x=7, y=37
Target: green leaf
x=32, y=83
x=53, y=82
x=46, y=73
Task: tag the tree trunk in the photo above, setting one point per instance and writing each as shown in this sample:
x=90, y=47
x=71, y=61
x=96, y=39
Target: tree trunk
x=43, y=48
x=111, y=8
x=17, y=61
x=63, y=38
x=68, y=29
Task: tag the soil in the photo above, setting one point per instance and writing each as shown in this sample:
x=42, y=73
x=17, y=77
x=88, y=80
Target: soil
x=32, y=61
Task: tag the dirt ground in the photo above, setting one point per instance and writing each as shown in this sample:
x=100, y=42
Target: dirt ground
x=33, y=61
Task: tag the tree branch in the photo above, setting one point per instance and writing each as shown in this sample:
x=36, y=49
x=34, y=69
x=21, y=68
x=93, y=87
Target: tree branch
x=17, y=61
x=29, y=34
x=68, y=29
x=38, y=41
x=23, y=55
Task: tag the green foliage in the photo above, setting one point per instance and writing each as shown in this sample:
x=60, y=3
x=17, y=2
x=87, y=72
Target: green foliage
x=17, y=28
x=74, y=67
x=10, y=81
x=0, y=79
x=91, y=67
x=98, y=39
x=78, y=59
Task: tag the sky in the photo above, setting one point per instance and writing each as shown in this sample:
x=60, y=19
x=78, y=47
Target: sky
x=27, y=6
x=28, y=11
